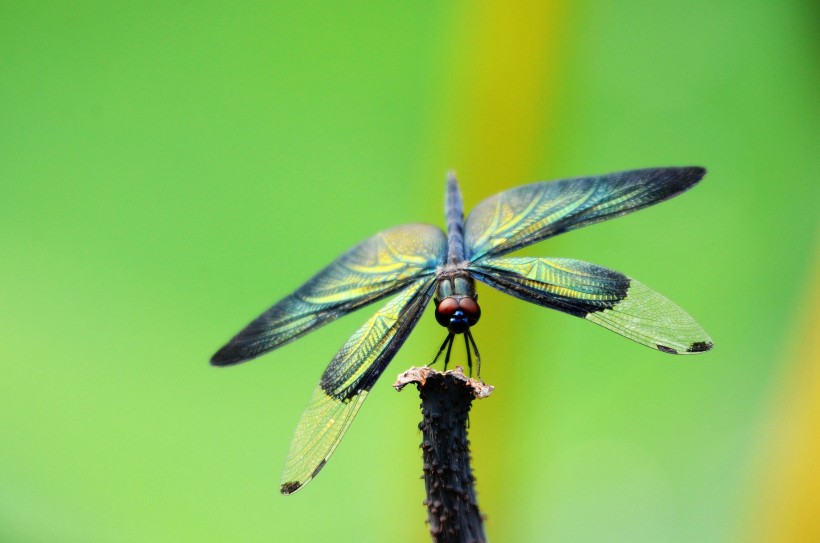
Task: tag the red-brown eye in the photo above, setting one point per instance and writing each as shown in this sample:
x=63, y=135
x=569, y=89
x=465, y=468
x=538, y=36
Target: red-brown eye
x=447, y=306
x=469, y=306
x=445, y=310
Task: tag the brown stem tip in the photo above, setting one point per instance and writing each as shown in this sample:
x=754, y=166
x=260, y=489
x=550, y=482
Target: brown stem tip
x=419, y=376
x=446, y=398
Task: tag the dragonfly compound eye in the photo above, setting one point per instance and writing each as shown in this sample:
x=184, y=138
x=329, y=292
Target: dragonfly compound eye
x=457, y=315
x=445, y=310
x=471, y=310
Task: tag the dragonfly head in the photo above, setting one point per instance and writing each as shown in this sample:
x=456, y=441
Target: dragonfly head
x=457, y=314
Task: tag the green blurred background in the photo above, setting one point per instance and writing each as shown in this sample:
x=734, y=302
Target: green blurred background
x=169, y=170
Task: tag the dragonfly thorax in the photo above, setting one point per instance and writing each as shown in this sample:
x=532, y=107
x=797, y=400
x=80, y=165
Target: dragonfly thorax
x=456, y=305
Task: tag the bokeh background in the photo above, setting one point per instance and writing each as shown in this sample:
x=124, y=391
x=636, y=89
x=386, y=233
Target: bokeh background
x=169, y=170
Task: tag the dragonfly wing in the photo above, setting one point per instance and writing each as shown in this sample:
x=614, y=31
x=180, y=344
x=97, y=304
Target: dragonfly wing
x=373, y=269
x=346, y=382
x=524, y=215
x=600, y=295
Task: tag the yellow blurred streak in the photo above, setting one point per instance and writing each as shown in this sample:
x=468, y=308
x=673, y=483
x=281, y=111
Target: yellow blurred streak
x=786, y=499
x=493, y=127
x=497, y=92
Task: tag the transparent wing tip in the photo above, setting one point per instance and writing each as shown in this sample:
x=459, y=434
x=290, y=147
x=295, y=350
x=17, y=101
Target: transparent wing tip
x=289, y=487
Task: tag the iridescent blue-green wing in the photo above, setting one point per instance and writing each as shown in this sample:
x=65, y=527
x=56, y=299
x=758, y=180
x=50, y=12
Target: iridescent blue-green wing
x=373, y=269
x=346, y=382
x=600, y=295
x=524, y=215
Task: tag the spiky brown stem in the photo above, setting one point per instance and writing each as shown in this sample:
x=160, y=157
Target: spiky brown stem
x=446, y=398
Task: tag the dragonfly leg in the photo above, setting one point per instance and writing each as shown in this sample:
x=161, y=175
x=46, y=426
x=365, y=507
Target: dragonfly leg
x=475, y=349
x=447, y=340
x=450, y=339
x=469, y=357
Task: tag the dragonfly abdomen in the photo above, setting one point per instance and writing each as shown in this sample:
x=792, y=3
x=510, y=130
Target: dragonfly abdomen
x=454, y=213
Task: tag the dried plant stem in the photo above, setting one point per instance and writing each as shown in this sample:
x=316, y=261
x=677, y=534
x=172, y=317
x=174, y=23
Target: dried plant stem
x=452, y=508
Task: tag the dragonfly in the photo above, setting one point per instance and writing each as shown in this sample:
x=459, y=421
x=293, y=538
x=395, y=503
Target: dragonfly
x=418, y=263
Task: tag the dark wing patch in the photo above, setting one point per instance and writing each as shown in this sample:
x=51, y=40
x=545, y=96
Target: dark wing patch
x=603, y=296
x=700, y=347
x=290, y=487
x=571, y=286
x=525, y=215
x=373, y=269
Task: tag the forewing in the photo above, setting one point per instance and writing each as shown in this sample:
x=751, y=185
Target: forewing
x=373, y=269
x=597, y=294
x=524, y=215
x=346, y=382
